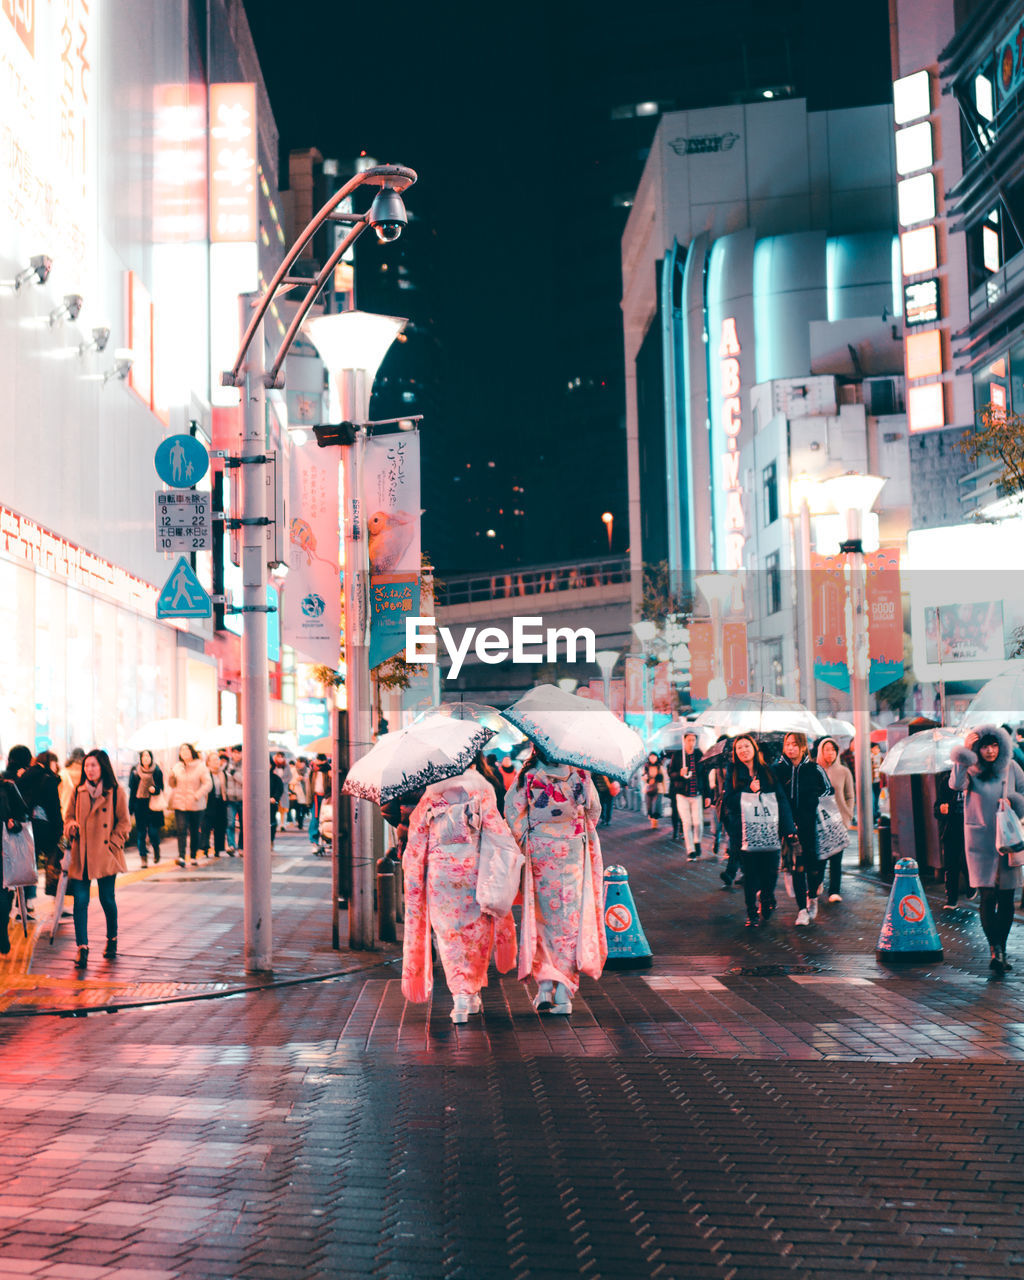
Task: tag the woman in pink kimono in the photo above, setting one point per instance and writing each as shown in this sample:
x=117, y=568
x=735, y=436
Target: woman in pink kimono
x=441, y=861
x=553, y=811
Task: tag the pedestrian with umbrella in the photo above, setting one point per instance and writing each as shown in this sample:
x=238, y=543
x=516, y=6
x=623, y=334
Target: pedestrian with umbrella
x=97, y=824
x=455, y=820
x=758, y=819
x=988, y=776
x=553, y=808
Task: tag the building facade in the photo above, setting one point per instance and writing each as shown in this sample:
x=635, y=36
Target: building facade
x=139, y=171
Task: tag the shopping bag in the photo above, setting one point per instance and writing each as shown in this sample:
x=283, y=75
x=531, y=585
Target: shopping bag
x=760, y=821
x=19, y=857
x=499, y=872
x=1009, y=834
x=830, y=829
x=158, y=802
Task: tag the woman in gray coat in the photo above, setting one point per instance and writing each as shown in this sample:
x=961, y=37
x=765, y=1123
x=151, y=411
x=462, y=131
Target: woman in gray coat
x=983, y=775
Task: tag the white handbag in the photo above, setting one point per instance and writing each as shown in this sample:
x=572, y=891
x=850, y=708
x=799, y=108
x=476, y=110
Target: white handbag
x=760, y=819
x=19, y=857
x=499, y=872
x=830, y=829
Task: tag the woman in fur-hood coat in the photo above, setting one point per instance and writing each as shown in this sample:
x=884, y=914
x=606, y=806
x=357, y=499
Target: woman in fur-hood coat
x=983, y=769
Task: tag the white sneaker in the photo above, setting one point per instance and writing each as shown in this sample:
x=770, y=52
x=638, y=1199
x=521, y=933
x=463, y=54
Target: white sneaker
x=812, y=908
x=835, y=897
x=802, y=917
x=460, y=1009
x=543, y=1000
x=562, y=1001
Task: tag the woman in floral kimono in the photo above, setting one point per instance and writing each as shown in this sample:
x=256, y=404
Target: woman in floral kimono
x=553, y=811
x=441, y=861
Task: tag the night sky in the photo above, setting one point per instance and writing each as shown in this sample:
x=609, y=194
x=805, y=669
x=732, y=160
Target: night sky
x=506, y=116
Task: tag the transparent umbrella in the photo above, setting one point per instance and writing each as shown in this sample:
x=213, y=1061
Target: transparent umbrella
x=837, y=728
x=1000, y=701
x=924, y=752
x=760, y=713
x=162, y=735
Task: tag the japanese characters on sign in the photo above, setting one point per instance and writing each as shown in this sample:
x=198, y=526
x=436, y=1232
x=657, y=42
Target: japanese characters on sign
x=391, y=501
x=234, y=214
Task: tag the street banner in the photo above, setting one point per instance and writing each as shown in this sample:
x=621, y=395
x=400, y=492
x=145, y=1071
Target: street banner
x=885, y=618
x=597, y=689
x=664, y=696
x=634, y=663
x=734, y=657
x=391, y=501
x=311, y=598
x=617, y=698
x=828, y=594
x=701, y=660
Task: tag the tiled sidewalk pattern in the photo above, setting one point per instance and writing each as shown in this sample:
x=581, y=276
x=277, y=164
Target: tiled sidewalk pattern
x=776, y=1106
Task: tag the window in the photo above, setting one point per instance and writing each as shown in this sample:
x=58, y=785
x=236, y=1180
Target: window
x=772, y=582
x=990, y=245
x=770, y=494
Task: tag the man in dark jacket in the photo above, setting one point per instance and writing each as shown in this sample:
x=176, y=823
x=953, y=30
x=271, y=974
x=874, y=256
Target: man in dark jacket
x=949, y=810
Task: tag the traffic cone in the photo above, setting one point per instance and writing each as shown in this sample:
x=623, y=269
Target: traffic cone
x=909, y=935
x=628, y=947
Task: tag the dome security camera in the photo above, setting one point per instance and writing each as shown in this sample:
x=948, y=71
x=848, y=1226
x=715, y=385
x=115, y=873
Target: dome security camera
x=41, y=267
x=387, y=215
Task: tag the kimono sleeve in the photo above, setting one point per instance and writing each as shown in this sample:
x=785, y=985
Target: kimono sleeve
x=516, y=805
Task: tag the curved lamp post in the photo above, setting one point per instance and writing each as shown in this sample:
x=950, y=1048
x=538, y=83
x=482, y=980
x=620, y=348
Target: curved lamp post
x=606, y=660
x=387, y=217
x=717, y=589
x=853, y=496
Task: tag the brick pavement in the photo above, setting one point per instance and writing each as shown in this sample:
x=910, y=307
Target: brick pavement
x=775, y=1105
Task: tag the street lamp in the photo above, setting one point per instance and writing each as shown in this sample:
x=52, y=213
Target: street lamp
x=352, y=345
x=606, y=660
x=853, y=496
x=249, y=375
x=718, y=590
x=645, y=630
x=608, y=520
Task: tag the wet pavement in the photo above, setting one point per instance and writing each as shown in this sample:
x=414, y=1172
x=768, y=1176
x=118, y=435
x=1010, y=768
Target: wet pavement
x=753, y=1105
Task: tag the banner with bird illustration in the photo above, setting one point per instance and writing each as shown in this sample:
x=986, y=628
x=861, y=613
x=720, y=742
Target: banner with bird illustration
x=391, y=501
x=311, y=595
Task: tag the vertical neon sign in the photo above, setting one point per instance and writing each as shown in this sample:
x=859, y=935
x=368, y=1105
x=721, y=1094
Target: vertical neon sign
x=732, y=423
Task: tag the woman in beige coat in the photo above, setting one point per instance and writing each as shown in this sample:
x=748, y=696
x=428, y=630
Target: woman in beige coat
x=96, y=823
x=189, y=785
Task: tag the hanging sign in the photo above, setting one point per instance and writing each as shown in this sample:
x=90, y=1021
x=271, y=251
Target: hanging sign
x=391, y=501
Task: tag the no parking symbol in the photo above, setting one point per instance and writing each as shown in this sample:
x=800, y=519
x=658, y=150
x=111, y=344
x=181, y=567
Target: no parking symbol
x=618, y=918
x=912, y=908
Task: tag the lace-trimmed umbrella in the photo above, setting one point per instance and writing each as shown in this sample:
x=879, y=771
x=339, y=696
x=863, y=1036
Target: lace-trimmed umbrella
x=407, y=760
x=580, y=731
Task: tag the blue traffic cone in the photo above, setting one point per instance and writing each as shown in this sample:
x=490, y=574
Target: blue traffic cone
x=908, y=932
x=628, y=948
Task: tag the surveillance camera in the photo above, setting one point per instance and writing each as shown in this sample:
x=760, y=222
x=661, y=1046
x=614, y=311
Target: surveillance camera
x=73, y=306
x=387, y=215
x=41, y=265
x=100, y=337
x=123, y=361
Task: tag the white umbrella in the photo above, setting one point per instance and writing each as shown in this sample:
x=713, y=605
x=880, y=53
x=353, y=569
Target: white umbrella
x=162, y=735
x=433, y=749
x=219, y=737
x=760, y=713
x=999, y=701
x=580, y=731
x=837, y=728
x=924, y=752
x=670, y=736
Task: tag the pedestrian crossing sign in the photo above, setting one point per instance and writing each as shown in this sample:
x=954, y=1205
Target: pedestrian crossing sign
x=183, y=595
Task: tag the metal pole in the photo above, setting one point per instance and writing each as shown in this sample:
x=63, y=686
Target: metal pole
x=255, y=709
x=858, y=660
x=809, y=690
x=354, y=395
